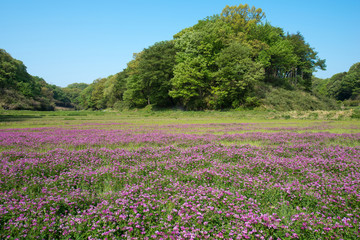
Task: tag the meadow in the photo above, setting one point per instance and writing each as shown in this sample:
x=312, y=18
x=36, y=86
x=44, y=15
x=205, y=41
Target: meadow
x=179, y=175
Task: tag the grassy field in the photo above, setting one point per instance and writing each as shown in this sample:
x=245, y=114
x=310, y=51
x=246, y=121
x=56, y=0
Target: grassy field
x=179, y=175
x=23, y=119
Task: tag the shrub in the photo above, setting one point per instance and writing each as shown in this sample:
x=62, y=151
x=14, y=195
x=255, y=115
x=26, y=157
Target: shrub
x=284, y=100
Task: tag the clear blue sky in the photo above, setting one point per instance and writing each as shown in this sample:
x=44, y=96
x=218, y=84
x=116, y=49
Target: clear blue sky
x=79, y=41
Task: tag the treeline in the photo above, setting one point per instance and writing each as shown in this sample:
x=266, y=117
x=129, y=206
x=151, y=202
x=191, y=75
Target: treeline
x=235, y=59
x=20, y=90
x=225, y=61
x=343, y=86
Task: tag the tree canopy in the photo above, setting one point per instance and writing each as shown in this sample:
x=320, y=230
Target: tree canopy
x=228, y=60
x=341, y=86
x=219, y=63
x=20, y=90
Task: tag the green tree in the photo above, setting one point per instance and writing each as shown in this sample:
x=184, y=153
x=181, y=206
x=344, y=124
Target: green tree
x=353, y=79
x=109, y=92
x=189, y=82
x=236, y=77
x=13, y=75
x=80, y=86
x=197, y=49
x=307, y=61
x=334, y=85
x=97, y=95
x=346, y=85
x=85, y=99
x=282, y=59
x=149, y=75
x=320, y=86
x=20, y=90
x=242, y=18
x=73, y=92
x=61, y=98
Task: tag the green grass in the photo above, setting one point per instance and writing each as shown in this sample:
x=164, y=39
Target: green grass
x=31, y=119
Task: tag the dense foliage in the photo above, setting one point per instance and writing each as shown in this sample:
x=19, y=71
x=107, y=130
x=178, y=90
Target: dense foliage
x=235, y=59
x=341, y=86
x=20, y=90
x=225, y=61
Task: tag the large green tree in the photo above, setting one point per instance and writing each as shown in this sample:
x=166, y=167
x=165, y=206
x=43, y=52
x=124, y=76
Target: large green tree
x=13, y=75
x=20, y=90
x=346, y=85
x=242, y=18
x=236, y=77
x=73, y=91
x=149, y=76
x=308, y=61
x=197, y=50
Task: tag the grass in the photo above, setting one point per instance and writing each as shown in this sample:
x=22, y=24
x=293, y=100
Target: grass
x=25, y=119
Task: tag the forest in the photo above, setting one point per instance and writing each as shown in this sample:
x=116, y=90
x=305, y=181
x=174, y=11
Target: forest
x=232, y=60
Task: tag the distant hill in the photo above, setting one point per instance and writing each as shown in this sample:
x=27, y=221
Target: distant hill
x=20, y=90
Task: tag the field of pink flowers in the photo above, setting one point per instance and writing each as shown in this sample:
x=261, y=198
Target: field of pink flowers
x=180, y=181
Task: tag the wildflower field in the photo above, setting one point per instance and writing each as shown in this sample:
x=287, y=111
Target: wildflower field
x=178, y=176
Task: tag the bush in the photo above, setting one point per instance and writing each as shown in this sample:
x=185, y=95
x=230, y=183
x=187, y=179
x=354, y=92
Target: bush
x=356, y=113
x=284, y=100
x=351, y=103
x=121, y=105
x=252, y=102
x=13, y=100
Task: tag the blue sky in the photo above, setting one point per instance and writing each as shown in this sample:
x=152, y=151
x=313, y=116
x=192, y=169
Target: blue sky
x=79, y=41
